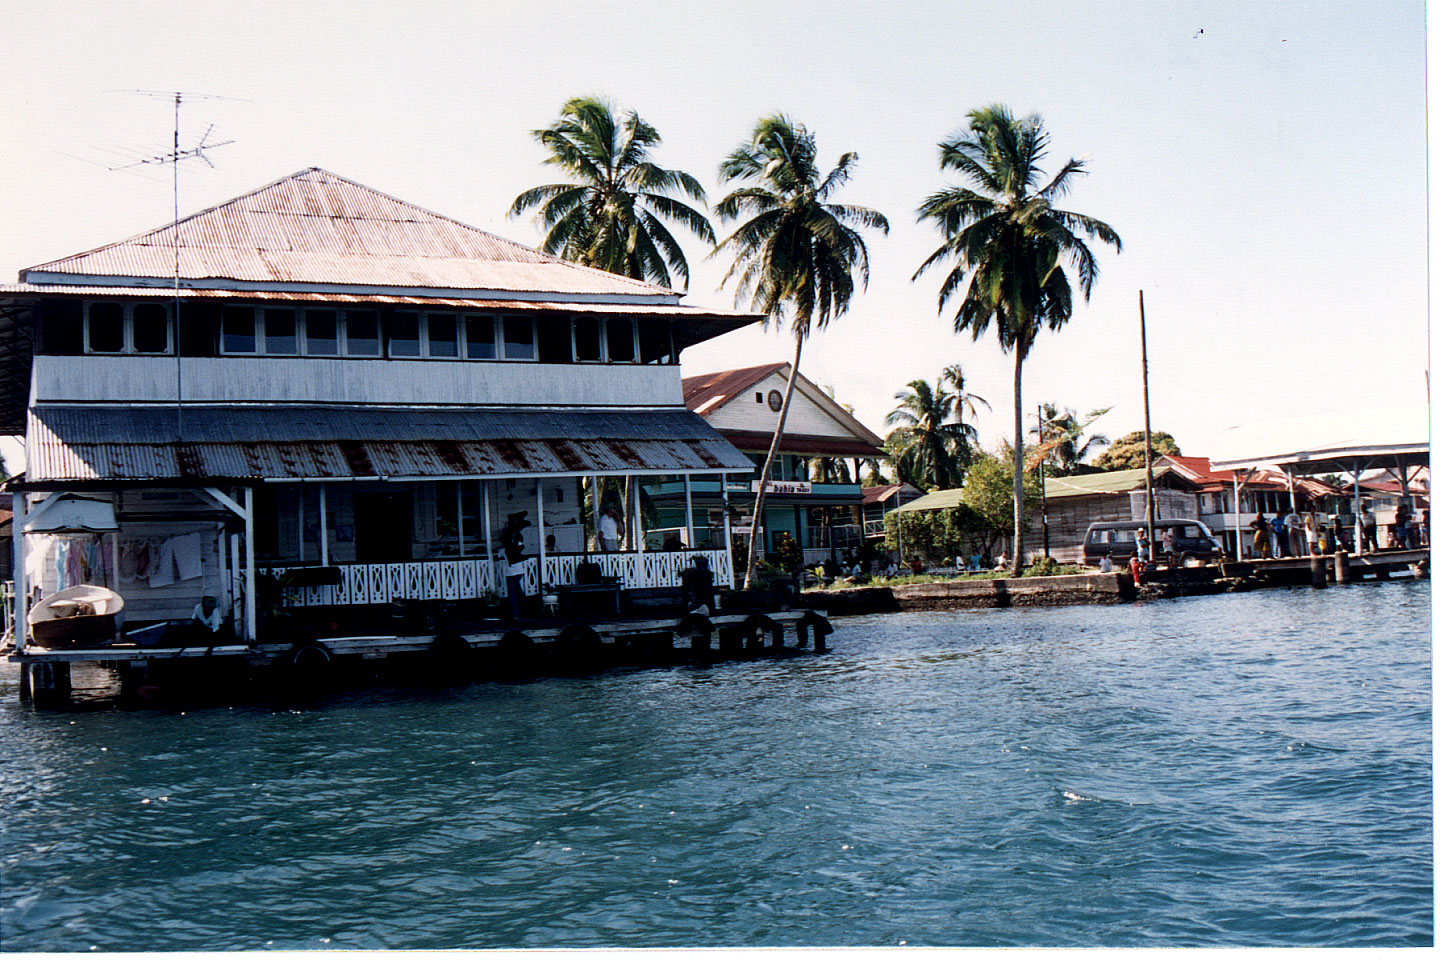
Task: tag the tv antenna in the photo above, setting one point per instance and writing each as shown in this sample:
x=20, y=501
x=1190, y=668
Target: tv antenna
x=174, y=157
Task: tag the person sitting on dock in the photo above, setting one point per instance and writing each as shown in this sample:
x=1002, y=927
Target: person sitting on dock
x=207, y=614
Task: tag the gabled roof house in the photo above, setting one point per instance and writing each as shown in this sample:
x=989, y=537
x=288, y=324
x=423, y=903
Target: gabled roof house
x=821, y=510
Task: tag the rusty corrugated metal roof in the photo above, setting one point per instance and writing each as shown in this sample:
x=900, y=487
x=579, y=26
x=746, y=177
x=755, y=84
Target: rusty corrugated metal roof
x=72, y=443
x=316, y=227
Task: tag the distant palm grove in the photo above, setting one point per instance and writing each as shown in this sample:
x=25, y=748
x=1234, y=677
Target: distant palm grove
x=796, y=254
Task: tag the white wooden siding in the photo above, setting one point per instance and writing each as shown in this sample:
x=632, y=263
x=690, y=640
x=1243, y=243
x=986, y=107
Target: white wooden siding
x=805, y=417
x=301, y=380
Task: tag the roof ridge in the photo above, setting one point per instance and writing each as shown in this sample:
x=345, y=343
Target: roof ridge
x=640, y=285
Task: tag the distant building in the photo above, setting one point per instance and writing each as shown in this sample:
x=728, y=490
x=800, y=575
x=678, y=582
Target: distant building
x=815, y=493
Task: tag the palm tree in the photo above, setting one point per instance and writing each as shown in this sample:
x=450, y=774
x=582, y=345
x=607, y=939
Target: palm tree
x=1059, y=435
x=797, y=253
x=954, y=376
x=1008, y=239
x=926, y=444
x=609, y=215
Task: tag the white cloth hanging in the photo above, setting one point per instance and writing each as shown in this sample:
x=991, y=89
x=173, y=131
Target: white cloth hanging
x=162, y=563
x=187, y=555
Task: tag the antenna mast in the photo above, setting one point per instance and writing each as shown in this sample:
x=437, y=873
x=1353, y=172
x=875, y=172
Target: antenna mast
x=174, y=158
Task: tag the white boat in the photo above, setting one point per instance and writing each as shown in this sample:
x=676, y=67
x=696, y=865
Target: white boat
x=82, y=616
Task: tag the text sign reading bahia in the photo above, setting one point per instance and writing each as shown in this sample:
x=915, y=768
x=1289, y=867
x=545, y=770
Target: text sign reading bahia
x=781, y=486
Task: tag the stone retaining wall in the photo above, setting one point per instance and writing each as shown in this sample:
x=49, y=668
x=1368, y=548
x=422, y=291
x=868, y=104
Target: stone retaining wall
x=964, y=594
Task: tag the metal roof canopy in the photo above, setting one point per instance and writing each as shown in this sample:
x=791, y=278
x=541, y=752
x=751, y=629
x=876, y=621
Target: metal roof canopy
x=1392, y=438
x=1337, y=460
x=86, y=443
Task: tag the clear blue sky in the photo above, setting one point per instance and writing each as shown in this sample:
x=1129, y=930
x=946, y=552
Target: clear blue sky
x=1263, y=162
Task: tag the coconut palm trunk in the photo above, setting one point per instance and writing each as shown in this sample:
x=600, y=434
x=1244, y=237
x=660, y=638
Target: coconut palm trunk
x=1017, y=562
x=759, y=514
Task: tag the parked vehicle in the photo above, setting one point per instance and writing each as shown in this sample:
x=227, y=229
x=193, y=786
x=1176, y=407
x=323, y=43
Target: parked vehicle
x=1116, y=539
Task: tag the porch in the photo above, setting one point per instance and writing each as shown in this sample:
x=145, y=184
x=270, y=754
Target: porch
x=371, y=583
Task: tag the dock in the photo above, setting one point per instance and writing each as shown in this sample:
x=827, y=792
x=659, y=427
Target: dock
x=469, y=650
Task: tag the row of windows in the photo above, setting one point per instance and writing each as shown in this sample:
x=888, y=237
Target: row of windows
x=144, y=328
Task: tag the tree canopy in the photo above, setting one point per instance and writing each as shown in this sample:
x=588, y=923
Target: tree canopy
x=1128, y=453
x=610, y=214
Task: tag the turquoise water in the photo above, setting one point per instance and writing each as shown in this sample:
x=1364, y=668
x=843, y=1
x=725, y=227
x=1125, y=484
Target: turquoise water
x=1237, y=770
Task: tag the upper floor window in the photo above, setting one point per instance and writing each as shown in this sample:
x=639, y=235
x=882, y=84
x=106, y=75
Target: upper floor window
x=134, y=328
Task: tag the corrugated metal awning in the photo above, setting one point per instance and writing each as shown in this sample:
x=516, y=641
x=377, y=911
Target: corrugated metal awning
x=87, y=443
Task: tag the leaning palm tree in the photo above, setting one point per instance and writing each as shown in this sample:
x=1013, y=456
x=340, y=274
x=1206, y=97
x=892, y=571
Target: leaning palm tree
x=797, y=253
x=1008, y=239
x=926, y=443
x=609, y=215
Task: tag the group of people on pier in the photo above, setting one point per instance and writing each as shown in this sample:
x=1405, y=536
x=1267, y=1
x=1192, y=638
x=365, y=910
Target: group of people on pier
x=1290, y=535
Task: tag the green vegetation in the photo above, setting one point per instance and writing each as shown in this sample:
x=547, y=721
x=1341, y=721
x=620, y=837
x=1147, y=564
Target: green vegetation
x=797, y=252
x=927, y=447
x=1128, y=453
x=609, y=215
x=1060, y=434
x=1005, y=236
x=973, y=526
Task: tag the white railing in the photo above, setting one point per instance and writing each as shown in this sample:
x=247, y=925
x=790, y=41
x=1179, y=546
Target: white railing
x=365, y=583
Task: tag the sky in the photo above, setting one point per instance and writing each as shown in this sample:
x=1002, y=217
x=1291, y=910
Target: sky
x=1263, y=162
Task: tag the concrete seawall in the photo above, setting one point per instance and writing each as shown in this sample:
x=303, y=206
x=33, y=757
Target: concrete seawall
x=968, y=594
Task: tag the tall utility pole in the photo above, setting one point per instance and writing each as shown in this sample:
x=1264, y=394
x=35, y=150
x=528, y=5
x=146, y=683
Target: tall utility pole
x=1044, y=514
x=1149, y=471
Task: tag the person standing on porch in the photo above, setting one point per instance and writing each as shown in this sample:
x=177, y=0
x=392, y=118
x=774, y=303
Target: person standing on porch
x=512, y=542
x=608, y=530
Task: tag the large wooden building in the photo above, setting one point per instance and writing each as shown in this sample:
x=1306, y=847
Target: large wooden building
x=318, y=376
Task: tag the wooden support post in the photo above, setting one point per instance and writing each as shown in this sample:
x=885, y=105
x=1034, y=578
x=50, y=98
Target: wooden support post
x=689, y=517
x=1342, y=567
x=489, y=542
x=540, y=531
x=725, y=513
x=25, y=691
x=324, y=526
x=300, y=522
x=1317, y=570
x=460, y=517
x=251, y=604
x=22, y=589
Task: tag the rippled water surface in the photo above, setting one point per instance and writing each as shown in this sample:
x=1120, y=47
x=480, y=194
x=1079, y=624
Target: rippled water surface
x=1233, y=770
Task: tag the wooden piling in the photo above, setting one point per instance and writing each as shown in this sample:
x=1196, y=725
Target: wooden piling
x=1342, y=567
x=1317, y=571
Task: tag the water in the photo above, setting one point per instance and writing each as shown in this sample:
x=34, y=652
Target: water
x=1237, y=770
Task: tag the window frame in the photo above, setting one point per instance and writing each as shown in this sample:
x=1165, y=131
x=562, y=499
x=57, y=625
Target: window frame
x=500, y=341
x=127, y=329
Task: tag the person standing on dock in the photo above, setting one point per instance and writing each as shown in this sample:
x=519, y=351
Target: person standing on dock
x=1142, y=545
x=1167, y=546
x=1279, y=539
x=1294, y=529
x=1261, y=541
x=1368, y=528
x=1312, y=536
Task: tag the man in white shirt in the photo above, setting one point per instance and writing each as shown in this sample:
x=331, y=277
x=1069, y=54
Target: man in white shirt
x=609, y=532
x=207, y=614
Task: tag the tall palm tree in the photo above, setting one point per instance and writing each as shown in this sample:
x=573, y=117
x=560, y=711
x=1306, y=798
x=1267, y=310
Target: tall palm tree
x=797, y=253
x=926, y=443
x=1007, y=238
x=609, y=215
